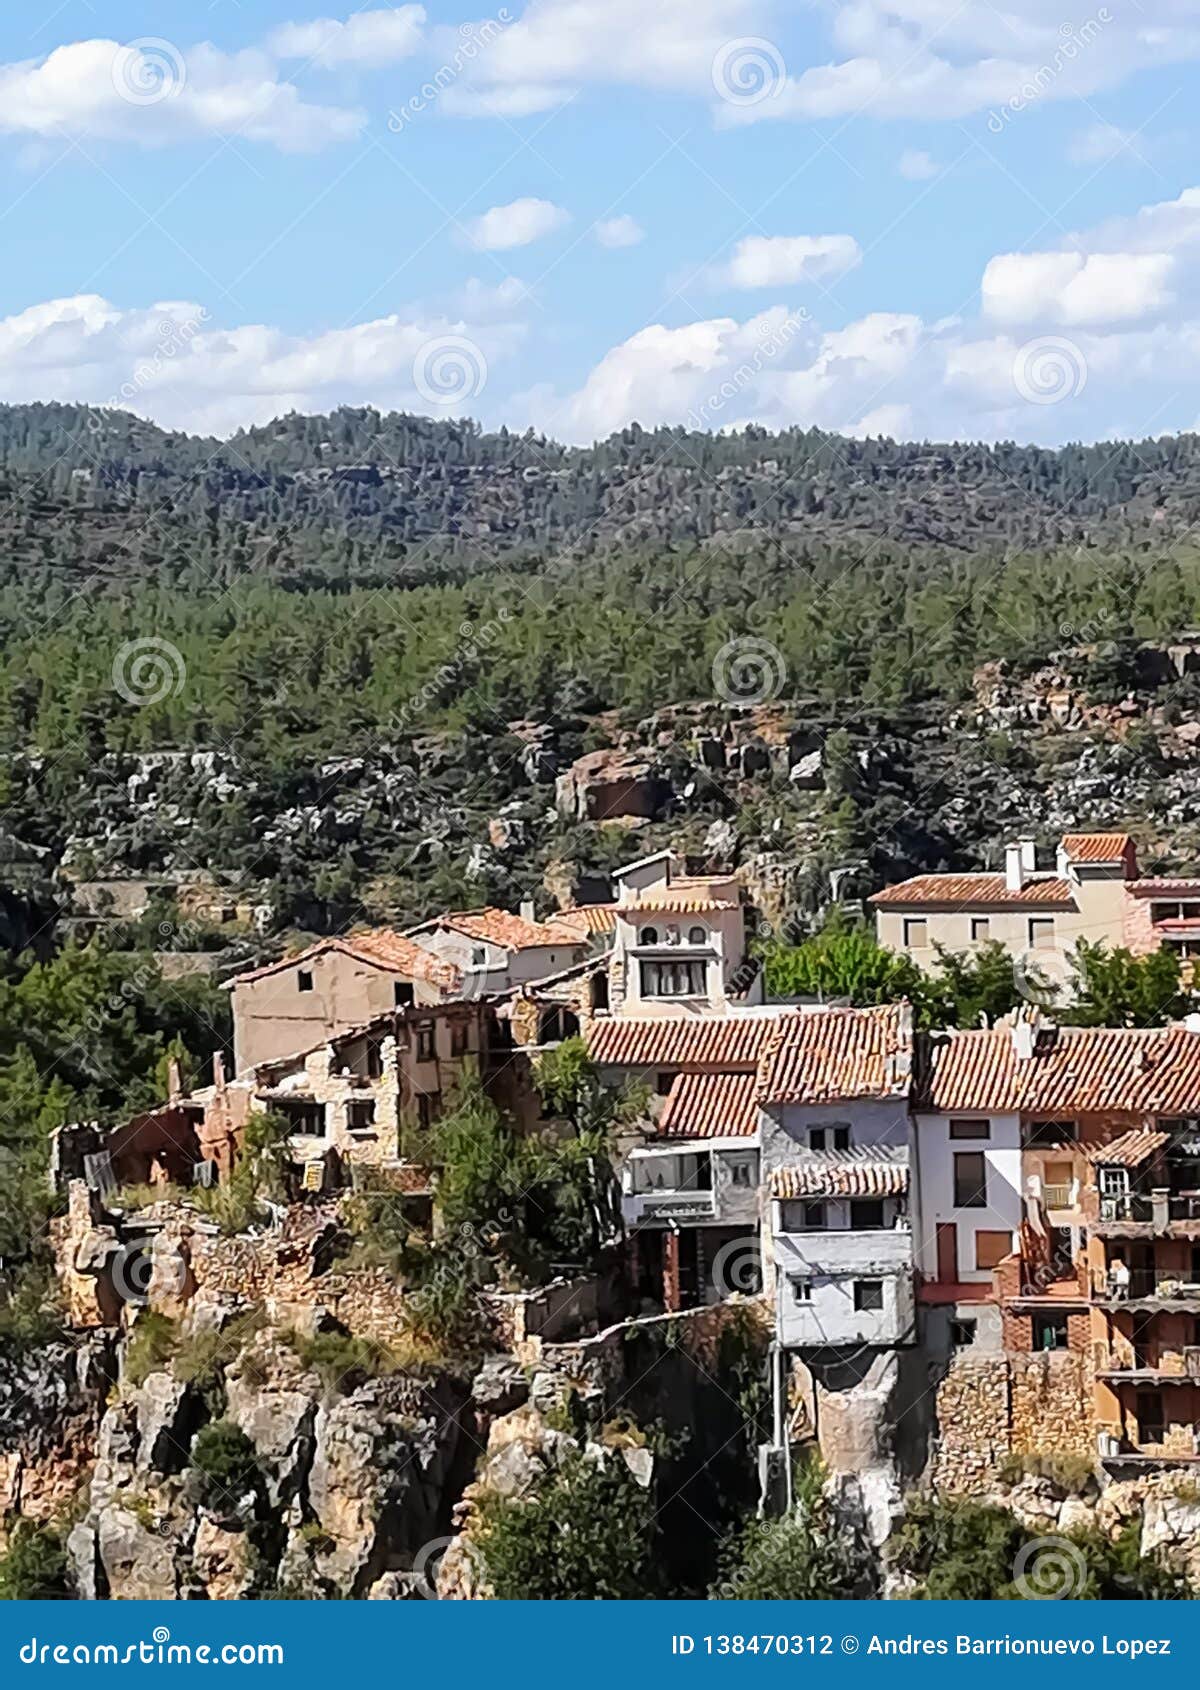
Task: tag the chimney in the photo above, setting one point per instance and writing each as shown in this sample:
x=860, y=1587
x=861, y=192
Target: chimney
x=174, y=1081
x=218, y=1072
x=1014, y=867
x=527, y=913
x=1022, y=1040
x=1028, y=855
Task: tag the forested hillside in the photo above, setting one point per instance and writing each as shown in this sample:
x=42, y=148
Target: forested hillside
x=376, y=642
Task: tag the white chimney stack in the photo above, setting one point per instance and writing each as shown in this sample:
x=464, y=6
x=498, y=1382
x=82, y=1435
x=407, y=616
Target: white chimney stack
x=527, y=910
x=1028, y=855
x=1022, y=1040
x=1014, y=867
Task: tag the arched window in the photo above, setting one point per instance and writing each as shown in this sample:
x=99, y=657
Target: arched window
x=697, y=936
x=649, y=936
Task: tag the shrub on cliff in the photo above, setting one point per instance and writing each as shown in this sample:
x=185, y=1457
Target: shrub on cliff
x=227, y=1463
x=590, y=1533
x=806, y=1555
x=34, y=1566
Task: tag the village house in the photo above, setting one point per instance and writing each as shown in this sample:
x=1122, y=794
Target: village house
x=1094, y=893
x=492, y=951
x=832, y=1087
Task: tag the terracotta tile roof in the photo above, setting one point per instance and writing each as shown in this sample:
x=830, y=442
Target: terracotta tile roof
x=593, y=918
x=878, y=1171
x=382, y=946
x=981, y=889
x=703, y=1041
x=1073, y=1071
x=832, y=1054
x=513, y=932
x=682, y=902
x=1161, y=887
x=1096, y=847
x=710, y=1106
x=1130, y=1150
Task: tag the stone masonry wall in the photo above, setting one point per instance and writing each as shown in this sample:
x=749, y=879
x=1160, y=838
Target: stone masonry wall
x=991, y=1408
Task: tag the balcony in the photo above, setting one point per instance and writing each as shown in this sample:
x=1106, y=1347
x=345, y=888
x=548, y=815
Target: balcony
x=1057, y=1197
x=1157, y=1285
x=639, y=1207
x=1128, y=1208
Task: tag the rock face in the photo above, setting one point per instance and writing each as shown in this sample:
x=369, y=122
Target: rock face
x=51, y=1401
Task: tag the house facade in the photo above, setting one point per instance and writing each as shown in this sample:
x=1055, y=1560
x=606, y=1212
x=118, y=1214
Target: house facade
x=1094, y=893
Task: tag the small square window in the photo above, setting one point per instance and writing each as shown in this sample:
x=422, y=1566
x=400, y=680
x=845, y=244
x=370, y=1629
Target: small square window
x=866, y=1214
x=304, y=980
x=663, y=1083
x=991, y=1248
x=916, y=933
x=360, y=1115
x=1050, y=1332
x=814, y=1217
x=841, y=1138
x=962, y=1333
x=403, y=994
x=801, y=1288
x=868, y=1295
x=739, y=1174
x=962, y=1128
x=816, y=1138
x=981, y=929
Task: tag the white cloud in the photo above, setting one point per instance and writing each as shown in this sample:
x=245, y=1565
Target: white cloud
x=773, y=261
x=366, y=38
x=173, y=363
x=618, y=231
x=1099, y=143
x=917, y=166
x=507, y=226
x=154, y=94
x=1070, y=288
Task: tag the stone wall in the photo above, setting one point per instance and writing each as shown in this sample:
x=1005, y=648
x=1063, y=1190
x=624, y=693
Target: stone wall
x=989, y=1408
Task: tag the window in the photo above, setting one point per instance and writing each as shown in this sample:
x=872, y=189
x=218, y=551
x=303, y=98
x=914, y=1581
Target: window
x=991, y=1249
x=429, y=1107
x=814, y=1217
x=970, y=1180
x=403, y=994
x=916, y=933
x=1151, y=1425
x=374, y=1057
x=841, y=1138
x=981, y=929
x=739, y=1174
x=801, y=1288
x=697, y=936
x=460, y=1035
x=479, y=956
x=676, y=979
x=1049, y=1133
x=663, y=1082
x=1041, y=932
x=866, y=1215
x=962, y=1128
x=648, y=936
x=868, y=1295
x=962, y=1333
x=1050, y=1332
x=426, y=1048
x=304, y=981
x=816, y=1138
x=360, y=1115
x=829, y=1138
x=303, y=1115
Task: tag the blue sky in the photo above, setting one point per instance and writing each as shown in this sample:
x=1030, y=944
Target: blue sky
x=912, y=217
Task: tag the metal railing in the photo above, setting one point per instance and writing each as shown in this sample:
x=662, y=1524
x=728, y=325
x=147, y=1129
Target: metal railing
x=1145, y=1282
x=1057, y=1197
x=1130, y=1206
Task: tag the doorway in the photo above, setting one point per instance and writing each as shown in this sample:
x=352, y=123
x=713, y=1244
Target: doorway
x=947, y=1253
